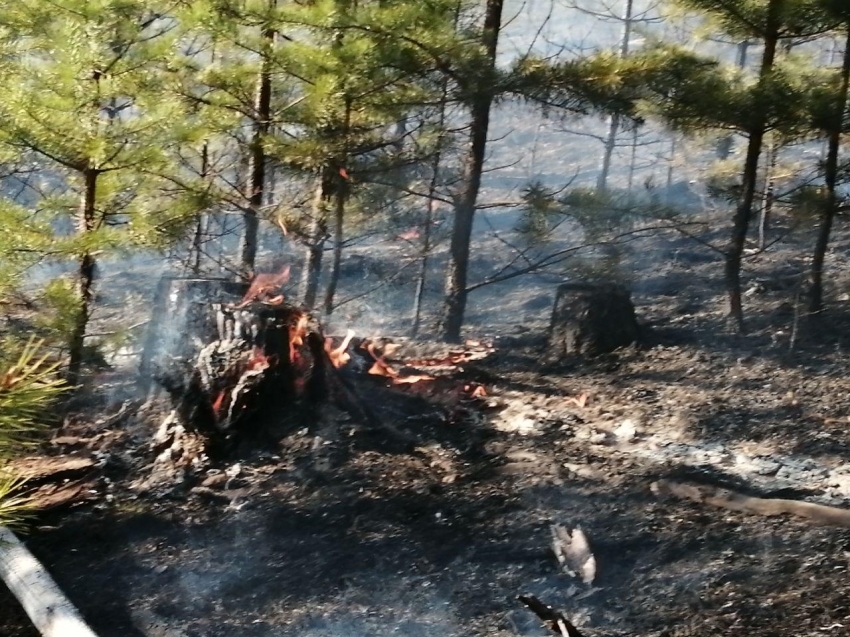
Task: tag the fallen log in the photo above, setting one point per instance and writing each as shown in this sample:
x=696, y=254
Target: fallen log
x=48, y=609
x=726, y=499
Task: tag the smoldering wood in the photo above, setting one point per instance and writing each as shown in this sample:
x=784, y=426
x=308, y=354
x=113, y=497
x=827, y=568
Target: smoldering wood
x=264, y=362
x=47, y=607
x=181, y=323
x=591, y=319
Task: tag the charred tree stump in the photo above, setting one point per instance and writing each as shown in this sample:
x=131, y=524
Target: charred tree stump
x=181, y=323
x=266, y=363
x=588, y=320
x=239, y=363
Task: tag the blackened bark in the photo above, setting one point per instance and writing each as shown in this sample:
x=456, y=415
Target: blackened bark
x=456, y=292
x=744, y=209
x=85, y=275
x=257, y=163
x=830, y=176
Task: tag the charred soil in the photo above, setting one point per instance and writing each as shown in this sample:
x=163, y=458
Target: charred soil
x=435, y=525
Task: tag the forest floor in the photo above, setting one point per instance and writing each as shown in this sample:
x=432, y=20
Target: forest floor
x=336, y=532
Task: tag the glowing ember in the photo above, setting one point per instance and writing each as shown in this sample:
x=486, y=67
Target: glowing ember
x=297, y=333
x=339, y=356
x=265, y=288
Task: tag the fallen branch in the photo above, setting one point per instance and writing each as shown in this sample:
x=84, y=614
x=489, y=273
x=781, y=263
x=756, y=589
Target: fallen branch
x=50, y=611
x=554, y=620
x=726, y=499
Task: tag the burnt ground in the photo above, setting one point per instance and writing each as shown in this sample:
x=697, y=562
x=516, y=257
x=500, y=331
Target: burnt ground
x=342, y=531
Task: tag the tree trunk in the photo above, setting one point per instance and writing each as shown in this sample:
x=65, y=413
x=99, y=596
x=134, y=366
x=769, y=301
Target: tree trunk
x=744, y=209
x=257, y=162
x=309, y=287
x=724, y=145
x=830, y=176
x=456, y=292
x=201, y=222
x=85, y=275
x=614, y=121
x=769, y=192
x=341, y=195
x=424, y=258
x=339, y=217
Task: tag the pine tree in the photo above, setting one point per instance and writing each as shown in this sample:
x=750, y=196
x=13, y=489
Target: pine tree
x=84, y=93
x=832, y=108
x=701, y=95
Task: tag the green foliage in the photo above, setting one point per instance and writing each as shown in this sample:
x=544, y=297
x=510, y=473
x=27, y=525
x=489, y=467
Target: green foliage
x=60, y=307
x=28, y=386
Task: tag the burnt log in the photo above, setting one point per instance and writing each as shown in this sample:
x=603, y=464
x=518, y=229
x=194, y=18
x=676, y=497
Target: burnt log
x=589, y=320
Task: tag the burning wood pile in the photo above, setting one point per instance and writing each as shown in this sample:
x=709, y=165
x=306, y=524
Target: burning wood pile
x=243, y=363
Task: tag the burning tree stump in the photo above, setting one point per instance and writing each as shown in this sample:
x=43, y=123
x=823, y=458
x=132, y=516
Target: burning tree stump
x=181, y=321
x=588, y=320
x=237, y=368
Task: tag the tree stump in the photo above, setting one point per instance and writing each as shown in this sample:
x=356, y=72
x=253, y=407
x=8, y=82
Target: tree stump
x=589, y=320
x=181, y=323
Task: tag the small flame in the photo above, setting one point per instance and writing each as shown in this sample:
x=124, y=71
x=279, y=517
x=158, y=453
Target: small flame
x=476, y=391
x=339, y=356
x=297, y=333
x=264, y=286
x=219, y=402
x=382, y=368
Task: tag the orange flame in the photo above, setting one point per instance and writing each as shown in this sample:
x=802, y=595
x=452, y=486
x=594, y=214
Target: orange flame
x=339, y=356
x=263, y=288
x=476, y=391
x=219, y=401
x=382, y=368
x=297, y=333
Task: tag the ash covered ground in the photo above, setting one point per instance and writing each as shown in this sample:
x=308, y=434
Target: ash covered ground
x=339, y=531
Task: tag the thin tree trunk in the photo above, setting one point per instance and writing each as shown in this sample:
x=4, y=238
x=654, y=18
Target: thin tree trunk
x=769, y=192
x=744, y=209
x=670, y=170
x=456, y=292
x=724, y=145
x=201, y=221
x=339, y=217
x=85, y=275
x=614, y=120
x=309, y=287
x=632, y=161
x=422, y=279
x=830, y=176
x=340, y=194
x=257, y=162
